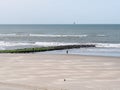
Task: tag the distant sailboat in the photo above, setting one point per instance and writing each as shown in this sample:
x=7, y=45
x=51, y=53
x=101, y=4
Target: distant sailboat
x=74, y=22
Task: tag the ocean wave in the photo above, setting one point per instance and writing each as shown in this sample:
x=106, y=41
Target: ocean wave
x=13, y=35
x=54, y=43
x=44, y=35
x=44, y=44
x=108, y=45
x=100, y=35
x=3, y=43
x=39, y=35
x=7, y=44
x=3, y=35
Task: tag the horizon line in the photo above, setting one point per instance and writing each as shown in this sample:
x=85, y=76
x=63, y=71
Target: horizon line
x=59, y=24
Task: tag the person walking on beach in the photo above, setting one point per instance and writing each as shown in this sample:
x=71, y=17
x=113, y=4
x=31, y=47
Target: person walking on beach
x=67, y=52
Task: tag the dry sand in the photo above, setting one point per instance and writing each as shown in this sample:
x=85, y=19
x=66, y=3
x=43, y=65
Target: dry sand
x=58, y=72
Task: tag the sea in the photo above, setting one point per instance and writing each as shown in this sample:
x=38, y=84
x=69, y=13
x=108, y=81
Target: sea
x=106, y=37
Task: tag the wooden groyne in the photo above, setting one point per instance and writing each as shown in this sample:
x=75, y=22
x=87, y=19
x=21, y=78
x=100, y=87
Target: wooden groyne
x=42, y=49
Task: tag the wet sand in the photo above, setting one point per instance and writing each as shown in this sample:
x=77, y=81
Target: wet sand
x=58, y=72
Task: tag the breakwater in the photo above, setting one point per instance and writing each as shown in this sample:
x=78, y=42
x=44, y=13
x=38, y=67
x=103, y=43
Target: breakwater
x=42, y=49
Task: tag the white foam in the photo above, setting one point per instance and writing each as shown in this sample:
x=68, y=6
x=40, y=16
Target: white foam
x=12, y=34
x=53, y=43
x=44, y=35
x=107, y=45
x=39, y=35
x=100, y=35
x=3, y=43
x=7, y=44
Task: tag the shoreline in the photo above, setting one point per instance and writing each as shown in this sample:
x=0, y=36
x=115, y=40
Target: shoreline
x=63, y=54
x=74, y=55
x=49, y=53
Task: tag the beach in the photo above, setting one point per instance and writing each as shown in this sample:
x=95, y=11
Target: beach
x=58, y=72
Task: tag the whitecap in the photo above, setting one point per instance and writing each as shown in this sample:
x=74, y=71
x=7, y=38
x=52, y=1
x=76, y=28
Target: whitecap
x=100, y=35
x=45, y=35
x=108, y=45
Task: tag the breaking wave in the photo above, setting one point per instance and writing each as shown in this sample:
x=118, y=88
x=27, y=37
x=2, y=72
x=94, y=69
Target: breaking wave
x=4, y=44
x=100, y=35
x=40, y=35
x=41, y=44
x=108, y=45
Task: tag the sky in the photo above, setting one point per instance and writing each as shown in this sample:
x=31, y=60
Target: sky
x=59, y=11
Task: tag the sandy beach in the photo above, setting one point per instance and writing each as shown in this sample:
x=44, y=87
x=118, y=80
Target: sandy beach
x=58, y=72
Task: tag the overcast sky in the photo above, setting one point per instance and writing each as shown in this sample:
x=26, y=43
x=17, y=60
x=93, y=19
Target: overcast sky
x=59, y=11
